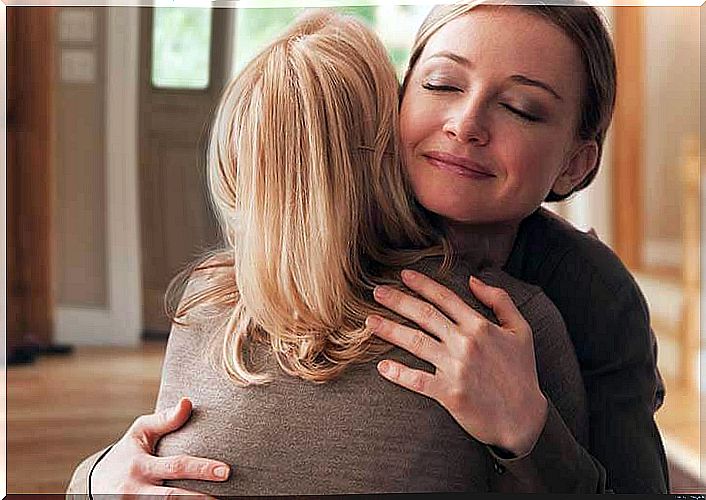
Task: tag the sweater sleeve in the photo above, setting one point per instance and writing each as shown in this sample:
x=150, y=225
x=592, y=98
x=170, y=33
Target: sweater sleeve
x=556, y=464
x=622, y=383
x=608, y=320
x=625, y=452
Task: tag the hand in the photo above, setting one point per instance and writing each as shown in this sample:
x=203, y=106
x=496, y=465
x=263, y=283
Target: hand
x=485, y=373
x=130, y=467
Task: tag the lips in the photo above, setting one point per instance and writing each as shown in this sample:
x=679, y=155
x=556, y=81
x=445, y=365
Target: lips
x=458, y=165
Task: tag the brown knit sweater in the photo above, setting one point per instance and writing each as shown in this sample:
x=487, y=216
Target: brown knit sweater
x=358, y=433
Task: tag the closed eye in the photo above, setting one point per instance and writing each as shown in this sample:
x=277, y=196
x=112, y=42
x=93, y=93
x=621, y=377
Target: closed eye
x=440, y=88
x=521, y=114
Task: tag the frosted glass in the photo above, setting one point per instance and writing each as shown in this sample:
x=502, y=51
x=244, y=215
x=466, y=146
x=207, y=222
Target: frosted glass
x=181, y=47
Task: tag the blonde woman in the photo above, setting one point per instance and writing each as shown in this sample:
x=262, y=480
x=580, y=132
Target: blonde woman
x=270, y=340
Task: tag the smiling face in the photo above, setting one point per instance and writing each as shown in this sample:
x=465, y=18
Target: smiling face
x=489, y=116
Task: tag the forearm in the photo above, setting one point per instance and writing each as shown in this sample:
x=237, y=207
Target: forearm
x=624, y=436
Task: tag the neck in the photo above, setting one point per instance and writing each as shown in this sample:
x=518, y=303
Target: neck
x=484, y=244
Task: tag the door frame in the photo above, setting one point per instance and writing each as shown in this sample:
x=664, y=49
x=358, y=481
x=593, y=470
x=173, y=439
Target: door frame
x=121, y=322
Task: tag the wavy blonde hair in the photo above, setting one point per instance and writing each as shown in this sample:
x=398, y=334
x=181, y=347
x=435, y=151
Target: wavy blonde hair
x=314, y=206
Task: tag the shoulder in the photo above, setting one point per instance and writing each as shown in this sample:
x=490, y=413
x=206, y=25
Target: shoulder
x=205, y=290
x=598, y=298
x=531, y=301
x=522, y=294
x=456, y=278
x=551, y=249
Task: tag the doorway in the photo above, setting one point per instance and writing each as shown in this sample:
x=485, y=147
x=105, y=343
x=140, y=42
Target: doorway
x=183, y=67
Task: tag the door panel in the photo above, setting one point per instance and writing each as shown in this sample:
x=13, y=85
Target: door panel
x=177, y=224
x=29, y=176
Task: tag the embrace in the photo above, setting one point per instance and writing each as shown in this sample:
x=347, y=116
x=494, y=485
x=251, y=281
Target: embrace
x=392, y=309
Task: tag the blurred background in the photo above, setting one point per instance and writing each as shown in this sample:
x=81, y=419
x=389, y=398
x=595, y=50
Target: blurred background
x=107, y=116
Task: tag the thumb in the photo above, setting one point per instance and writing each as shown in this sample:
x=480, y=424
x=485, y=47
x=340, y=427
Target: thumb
x=156, y=425
x=499, y=301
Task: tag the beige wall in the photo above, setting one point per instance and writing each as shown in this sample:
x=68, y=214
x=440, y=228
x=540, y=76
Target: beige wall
x=671, y=114
x=80, y=195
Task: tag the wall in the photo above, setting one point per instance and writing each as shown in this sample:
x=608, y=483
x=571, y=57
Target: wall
x=671, y=114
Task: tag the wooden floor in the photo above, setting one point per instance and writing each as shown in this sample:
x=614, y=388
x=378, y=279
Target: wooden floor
x=61, y=409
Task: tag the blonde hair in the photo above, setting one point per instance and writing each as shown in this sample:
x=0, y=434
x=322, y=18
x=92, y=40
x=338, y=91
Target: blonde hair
x=314, y=206
x=586, y=28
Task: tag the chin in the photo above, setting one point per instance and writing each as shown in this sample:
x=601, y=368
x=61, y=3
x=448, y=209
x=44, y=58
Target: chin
x=455, y=212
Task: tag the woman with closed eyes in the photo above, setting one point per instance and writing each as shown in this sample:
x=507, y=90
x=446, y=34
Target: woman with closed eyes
x=502, y=108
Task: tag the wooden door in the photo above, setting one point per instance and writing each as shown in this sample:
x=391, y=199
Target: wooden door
x=29, y=176
x=177, y=224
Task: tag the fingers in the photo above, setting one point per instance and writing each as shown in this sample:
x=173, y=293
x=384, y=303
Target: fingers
x=147, y=429
x=422, y=313
x=500, y=302
x=414, y=341
x=418, y=381
x=446, y=300
x=158, y=469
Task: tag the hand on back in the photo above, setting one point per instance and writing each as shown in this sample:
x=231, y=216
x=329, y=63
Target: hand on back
x=130, y=467
x=485, y=374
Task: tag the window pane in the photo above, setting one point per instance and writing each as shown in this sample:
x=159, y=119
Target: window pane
x=397, y=25
x=181, y=47
x=258, y=27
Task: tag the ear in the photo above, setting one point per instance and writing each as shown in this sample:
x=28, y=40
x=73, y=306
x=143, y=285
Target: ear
x=579, y=164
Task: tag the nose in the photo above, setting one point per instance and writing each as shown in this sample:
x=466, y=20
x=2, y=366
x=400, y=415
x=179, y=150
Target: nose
x=467, y=124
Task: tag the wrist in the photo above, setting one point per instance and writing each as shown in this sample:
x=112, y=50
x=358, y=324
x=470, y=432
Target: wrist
x=529, y=427
x=94, y=466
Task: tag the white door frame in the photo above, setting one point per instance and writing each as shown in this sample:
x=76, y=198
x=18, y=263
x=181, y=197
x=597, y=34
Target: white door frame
x=121, y=322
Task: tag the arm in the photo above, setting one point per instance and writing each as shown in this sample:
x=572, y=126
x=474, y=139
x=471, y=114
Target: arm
x=619, y=370
x=608, y=321
x=79, y=480
x=556, y=463
x=486, y=378
x=130, y=468
x=622, y=382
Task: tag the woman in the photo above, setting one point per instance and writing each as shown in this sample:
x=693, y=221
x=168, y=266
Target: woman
x=493, y=122
x=317, y=211
x=566, y=122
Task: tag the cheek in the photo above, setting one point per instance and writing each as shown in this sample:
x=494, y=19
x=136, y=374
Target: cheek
x=414, y=119
x=406, y=125
x=531, y=166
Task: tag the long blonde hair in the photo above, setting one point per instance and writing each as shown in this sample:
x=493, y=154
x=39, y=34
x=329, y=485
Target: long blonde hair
x=314, y=206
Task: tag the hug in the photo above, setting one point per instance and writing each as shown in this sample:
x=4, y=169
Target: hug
x=392, y=309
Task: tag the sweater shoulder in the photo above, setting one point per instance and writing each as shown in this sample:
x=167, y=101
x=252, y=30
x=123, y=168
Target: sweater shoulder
x=549, y=244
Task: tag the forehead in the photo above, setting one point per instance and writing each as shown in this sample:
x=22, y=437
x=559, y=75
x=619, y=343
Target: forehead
x=511, y=40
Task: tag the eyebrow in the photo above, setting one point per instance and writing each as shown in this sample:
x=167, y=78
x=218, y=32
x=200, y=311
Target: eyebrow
x=520, y=79
x=445, y=54
x=523, y=80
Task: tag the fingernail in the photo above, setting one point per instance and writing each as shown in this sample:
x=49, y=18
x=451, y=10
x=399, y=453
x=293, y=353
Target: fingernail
x=408, y=275
x=372, y=322
x=384, y=367
x=221, y=471
x=381, y=291
x=476, y=280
